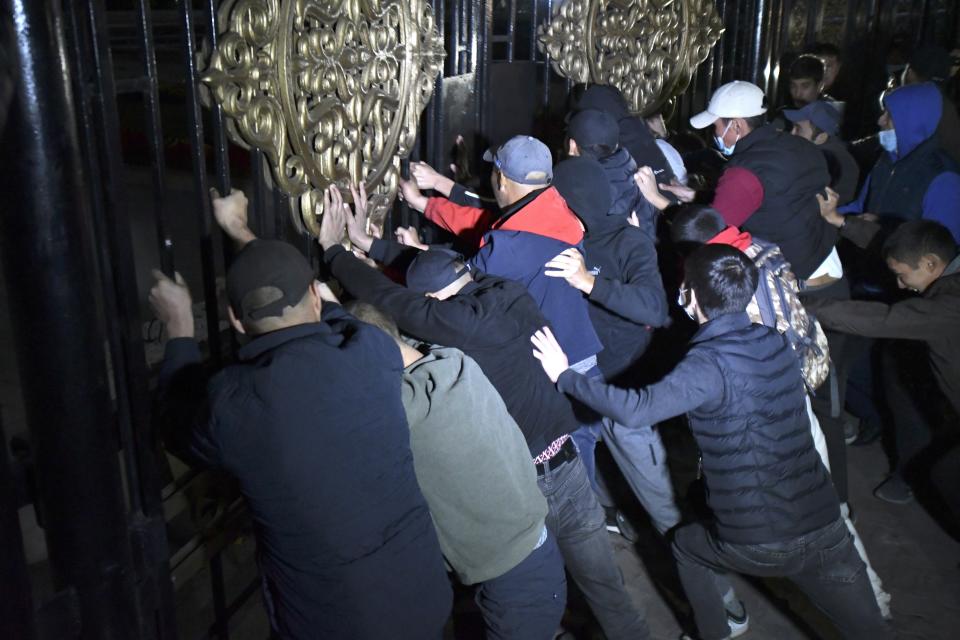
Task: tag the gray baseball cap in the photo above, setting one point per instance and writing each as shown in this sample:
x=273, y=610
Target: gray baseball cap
x=523, y=159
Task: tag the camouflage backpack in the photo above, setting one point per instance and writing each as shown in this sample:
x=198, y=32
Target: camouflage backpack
x=777, y=305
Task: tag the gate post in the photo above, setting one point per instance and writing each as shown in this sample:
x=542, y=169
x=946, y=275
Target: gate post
x=48, y=258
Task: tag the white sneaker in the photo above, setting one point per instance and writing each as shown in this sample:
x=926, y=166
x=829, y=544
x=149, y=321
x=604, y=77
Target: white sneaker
x=739, y=625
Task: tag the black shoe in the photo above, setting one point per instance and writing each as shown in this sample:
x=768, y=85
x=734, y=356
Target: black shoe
x=618, y=523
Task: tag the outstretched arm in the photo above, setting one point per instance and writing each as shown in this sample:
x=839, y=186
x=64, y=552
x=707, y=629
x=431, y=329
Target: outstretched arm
x=695, y=382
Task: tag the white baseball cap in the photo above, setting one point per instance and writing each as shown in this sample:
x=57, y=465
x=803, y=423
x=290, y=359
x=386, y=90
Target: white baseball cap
x=737, y=99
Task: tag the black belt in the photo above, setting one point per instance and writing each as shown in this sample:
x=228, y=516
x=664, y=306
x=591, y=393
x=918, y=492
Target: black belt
x=567, y=452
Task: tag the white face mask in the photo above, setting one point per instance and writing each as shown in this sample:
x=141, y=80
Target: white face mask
x=888, y=140
x=724, y=149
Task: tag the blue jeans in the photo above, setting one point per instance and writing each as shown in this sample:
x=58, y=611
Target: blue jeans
x=640, y=455
x=576, y=520
x=823, y=563
x=527, y=602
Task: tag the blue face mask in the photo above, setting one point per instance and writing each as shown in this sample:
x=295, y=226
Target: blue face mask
x=888, y=140
x=724, y=149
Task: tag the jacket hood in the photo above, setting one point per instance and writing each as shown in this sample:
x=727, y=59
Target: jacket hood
x=545, y=214
x=733, y=237
x=584, y=185
x=604, y=98
x=916, y=110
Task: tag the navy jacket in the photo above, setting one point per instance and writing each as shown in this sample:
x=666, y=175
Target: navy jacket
x=920, y=180
x=491, y=320
x=620, y=169
x=741, y=388
x=310, y=422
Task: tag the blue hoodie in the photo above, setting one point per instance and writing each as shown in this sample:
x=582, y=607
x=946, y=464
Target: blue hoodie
x=919, y=180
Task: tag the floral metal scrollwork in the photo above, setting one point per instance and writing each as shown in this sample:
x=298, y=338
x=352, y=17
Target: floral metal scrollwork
x=330, y=90
x=646, y=48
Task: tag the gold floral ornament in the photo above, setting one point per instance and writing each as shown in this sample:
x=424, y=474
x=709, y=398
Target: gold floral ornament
x=648, y=49
x=330, y=90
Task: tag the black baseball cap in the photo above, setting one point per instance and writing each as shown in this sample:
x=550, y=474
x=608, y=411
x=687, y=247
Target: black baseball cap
x=267, y=263
x=434, y=269
x=592, y=127
x=931, y=62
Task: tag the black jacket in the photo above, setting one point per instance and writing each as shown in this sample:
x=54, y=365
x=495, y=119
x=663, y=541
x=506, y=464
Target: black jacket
x=627, y=302
x=741, y=388
x=310, y=421
x=491, y=320
x=635, y=136
x=792, y=171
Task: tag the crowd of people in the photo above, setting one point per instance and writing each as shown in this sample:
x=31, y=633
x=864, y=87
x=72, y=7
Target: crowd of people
x=436, y=419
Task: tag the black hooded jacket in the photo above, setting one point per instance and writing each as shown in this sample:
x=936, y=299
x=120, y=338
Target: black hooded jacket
x=627, y=301
x=635, y=137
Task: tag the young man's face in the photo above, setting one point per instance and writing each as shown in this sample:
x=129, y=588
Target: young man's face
x=803, y=129
x=831, y=67
x=804, y=90
x=916, y=278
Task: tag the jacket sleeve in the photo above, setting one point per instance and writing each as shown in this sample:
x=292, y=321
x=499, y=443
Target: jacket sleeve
x=941, y=202
x=738, y=196
x=913, y=319
x=461, y=196
x=638, y=294
x=857, y=205
x=467, y=223
x=695, y=382
x=392, y=253
x=859, y=231
x=184, y=419
x=449, y=322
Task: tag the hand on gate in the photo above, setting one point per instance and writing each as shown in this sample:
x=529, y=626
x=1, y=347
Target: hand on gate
x=408, y=236
x=570, y=266
x=427, y=177
x=410, y=194
x=358, y=221
x=547, y=350
x=171, y=301
x=334, y=218
x=230, y=213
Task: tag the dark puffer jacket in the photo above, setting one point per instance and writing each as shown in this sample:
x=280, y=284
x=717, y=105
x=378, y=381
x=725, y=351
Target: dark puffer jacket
x=741, y=389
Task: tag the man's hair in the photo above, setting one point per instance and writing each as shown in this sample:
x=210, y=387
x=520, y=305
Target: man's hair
x=693, y=225
x=825, y=49
x=723, y=278
x=754, y=122
x=263, y=296
x=917, y=238
x=366, y=312
x=596, y=151
x=807, y=66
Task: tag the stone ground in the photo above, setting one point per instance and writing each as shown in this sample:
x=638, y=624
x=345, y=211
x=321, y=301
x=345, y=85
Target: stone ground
x=918, y=562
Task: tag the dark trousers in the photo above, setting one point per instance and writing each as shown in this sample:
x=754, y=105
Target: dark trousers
x=576, y=519
x=824, y=404
x=527, y=602
x=823, y=563
x=907, y=384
